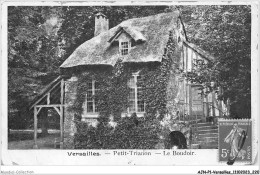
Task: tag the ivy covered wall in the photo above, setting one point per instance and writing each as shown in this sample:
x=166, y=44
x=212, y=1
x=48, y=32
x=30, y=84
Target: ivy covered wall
x=157, y=81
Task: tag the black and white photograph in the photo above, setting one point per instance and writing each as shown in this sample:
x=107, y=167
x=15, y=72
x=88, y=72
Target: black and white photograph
x=128, y=80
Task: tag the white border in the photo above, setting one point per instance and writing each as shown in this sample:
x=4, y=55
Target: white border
x=125, y=169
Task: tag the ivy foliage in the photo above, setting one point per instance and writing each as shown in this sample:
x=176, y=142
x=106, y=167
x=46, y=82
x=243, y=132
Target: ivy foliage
x=130, y=133
x=155, y=80
x=112, y=100
x=112, y=95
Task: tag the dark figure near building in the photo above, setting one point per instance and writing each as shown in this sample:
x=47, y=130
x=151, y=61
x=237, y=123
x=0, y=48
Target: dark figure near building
x=176, y=139
x=134, y=119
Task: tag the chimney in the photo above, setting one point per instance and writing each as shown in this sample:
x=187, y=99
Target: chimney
x=101, y=23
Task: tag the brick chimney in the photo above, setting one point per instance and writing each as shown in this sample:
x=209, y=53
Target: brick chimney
x=101, y=23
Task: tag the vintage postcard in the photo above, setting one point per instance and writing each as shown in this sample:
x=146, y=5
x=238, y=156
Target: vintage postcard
x=164, y=84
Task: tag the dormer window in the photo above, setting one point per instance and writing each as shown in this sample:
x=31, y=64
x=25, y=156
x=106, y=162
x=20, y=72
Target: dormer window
x=127, y=38
x=124, y=47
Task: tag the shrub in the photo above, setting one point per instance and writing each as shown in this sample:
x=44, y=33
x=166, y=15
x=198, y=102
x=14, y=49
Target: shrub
x=128, y=134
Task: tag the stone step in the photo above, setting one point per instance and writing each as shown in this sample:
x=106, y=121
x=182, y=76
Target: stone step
x=208, y=135
x=192, y=122
x=207, y=143
x=205, y=124
x=195, y=146
x=207, y=140
x=206, y=127
x=202, y=141
x=202, y=131
x=209, y=146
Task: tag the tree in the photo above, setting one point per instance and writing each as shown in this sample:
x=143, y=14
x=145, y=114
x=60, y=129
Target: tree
x=225, y=32
x=32, y=58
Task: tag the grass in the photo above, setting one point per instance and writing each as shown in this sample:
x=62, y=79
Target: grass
x=23, y=139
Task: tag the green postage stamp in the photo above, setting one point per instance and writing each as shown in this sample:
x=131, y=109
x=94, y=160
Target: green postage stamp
x=235, y=141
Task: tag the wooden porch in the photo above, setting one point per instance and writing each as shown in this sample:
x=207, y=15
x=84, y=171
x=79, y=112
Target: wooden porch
x=201, y=112
x=51, y=97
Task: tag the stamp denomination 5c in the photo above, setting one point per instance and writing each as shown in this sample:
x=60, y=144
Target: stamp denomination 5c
x=235, y=140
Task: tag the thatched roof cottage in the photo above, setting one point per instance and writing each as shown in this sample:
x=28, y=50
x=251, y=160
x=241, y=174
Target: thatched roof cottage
x=148, y=55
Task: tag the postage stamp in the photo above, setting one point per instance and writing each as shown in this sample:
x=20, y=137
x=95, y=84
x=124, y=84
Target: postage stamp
x=235, y=141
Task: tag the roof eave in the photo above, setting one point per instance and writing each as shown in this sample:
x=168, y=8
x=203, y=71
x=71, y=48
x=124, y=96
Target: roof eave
x=119, y=31
x=199, y=51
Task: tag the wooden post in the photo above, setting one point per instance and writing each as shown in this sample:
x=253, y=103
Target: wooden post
x=61, y=127
x=191, y=59
x=220, y=104
x=180, y=111
x=186, y=100
x=136, y=103
x=228, y=107
x=61, y=114
x=35, y=128
x=48, y=98
x=196, y=59
x=190, y=101
x=183, y=110
x=182, y=57
x=203, y=107
x=207, y=107
x=62, y=92
x=213, y=103
x=190, y=138
x=187, y=59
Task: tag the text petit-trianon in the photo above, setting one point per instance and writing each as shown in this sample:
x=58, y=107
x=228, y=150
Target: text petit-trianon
x=133, y=153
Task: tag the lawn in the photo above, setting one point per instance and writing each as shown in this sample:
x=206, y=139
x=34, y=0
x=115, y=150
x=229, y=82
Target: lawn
x=23, y=139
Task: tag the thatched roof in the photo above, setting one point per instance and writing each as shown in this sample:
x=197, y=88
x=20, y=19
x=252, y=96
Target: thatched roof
x=152, y=30
x=136, y=35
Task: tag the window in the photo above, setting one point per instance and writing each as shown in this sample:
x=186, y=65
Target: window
x=124, y=47
x=136, y=104
x=92, y=89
